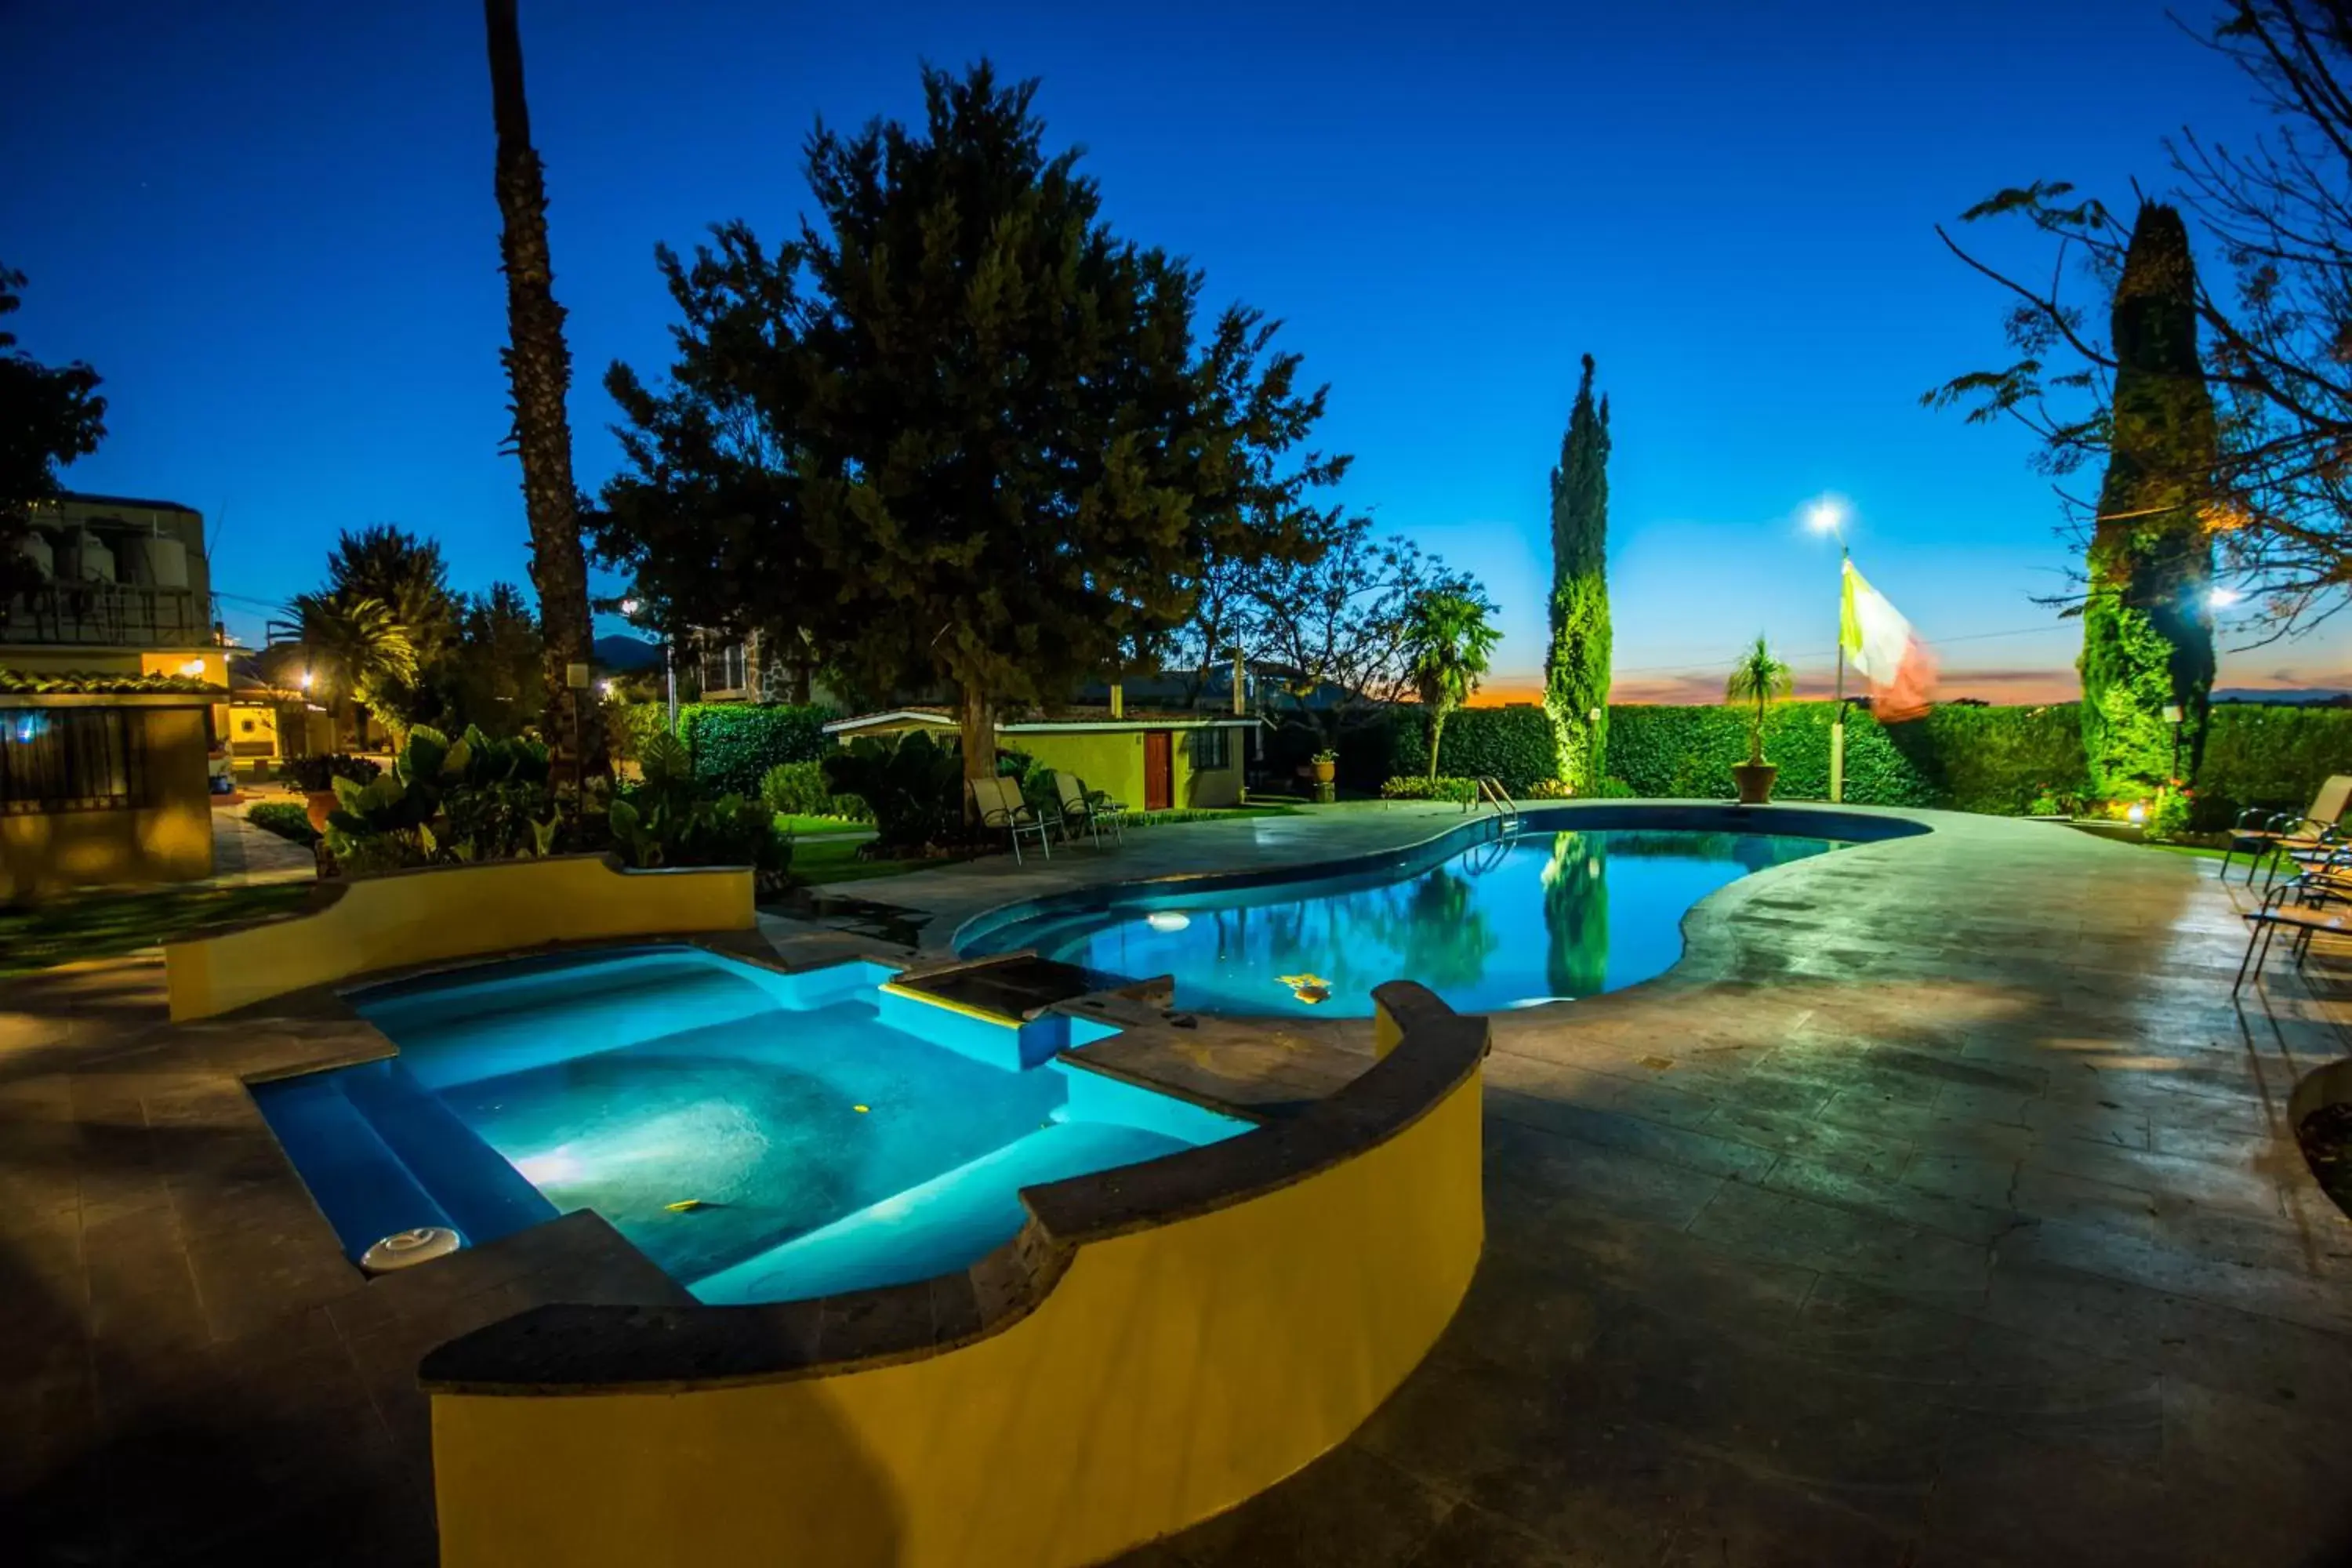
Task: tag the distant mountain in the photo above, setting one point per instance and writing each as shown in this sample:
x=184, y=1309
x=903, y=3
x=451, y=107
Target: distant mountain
x=2289, y=697
x=627, y=654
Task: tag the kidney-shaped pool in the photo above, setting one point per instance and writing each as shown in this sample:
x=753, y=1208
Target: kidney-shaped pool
x=1546, y=914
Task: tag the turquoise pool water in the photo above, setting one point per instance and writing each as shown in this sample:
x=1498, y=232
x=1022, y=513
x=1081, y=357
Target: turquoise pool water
x=1541, y=916
x=833, y=1136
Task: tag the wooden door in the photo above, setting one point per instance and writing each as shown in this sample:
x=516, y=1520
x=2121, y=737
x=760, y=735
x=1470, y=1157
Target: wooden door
x=1159, y=770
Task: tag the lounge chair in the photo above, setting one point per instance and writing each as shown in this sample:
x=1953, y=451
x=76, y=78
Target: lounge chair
x=2266, y=834
x=2305, y=921
x=1091, y=810
x=1002, y=808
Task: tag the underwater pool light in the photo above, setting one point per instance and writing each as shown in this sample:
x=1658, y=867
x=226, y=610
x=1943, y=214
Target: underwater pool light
x=1167, y=920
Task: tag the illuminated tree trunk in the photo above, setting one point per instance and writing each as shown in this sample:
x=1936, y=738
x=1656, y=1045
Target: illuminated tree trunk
x=539, y=367
x=2148, y=631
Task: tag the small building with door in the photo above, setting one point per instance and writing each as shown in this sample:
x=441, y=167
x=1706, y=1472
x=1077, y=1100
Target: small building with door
x=1144, y=761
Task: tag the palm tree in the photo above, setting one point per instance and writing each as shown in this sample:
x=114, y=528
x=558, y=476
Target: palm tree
x=539, y=365
x=1447, y=641
x=1762, y=681
x=355, y=649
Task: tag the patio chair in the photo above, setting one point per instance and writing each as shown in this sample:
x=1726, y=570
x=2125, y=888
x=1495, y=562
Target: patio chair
x=1002, y=808
x=2264, y=836
x=2304, y=921
x=1091, y=809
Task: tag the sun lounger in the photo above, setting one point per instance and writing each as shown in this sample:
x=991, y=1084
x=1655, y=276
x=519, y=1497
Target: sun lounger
x=1002, y=808
x=1092, y=810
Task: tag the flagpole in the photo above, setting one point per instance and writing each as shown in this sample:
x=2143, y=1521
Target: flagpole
x=1837, y=721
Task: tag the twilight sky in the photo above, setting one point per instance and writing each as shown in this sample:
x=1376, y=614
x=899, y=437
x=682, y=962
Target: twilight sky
x=271, y=227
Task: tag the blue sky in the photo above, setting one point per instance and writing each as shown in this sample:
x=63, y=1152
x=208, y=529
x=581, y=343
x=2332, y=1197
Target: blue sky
x=271, y=228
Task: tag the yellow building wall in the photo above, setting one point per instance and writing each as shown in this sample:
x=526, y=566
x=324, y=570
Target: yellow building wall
x=168, y=840
x=454, y=912
x=1109, y=759
x=1170, y=1374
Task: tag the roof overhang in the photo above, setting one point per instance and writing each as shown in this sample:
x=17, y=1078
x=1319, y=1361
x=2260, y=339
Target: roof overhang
x=1046, y=726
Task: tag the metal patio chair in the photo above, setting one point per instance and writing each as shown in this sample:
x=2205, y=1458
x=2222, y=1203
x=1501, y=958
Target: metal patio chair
x=1002, y=808
x=1091, y=809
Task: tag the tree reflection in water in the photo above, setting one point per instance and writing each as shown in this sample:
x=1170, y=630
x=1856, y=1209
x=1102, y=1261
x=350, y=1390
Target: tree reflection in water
x=1576, y=915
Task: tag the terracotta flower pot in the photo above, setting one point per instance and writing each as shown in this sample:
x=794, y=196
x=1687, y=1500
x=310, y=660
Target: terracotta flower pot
x=1755, y=782
x=317, y=804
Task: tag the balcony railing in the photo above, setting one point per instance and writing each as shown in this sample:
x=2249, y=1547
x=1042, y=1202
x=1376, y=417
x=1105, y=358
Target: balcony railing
x=123, y=615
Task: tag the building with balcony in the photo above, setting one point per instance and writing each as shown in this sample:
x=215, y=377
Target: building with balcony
x=113, y=695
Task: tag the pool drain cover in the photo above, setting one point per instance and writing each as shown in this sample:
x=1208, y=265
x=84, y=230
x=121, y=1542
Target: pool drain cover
x=405, y=1249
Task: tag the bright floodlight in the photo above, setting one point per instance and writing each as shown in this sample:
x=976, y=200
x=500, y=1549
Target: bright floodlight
x=630, y=606
x=1824, y=516
x=306, y=680
x=2222, y=598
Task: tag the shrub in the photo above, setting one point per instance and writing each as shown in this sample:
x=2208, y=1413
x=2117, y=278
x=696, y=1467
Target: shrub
x=316, y=775
x=629, y=725
x=668, y=820
x=798, y=789
x=914, y=787
x=284, y=818
x=1422, y=788
x=1611, y=787
x=735, y=743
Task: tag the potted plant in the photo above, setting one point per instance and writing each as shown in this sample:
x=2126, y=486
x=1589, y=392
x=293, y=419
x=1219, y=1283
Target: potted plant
x=315, y=776
x=1325, y=763
x=1758, y=680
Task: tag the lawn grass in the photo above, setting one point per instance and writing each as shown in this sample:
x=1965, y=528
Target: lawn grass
x=804, y=826
x=107, y=925
x=836, y=861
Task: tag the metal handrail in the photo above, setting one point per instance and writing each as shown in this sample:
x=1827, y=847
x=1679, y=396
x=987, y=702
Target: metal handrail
x=1490, y=792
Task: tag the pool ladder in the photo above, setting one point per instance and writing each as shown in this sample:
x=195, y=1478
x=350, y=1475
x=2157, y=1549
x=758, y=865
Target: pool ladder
x=1491, y=793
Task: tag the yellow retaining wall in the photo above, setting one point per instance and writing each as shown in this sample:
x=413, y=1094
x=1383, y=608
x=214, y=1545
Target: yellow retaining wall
x=170, y=840
x=1170, y=1373
x=455, y=911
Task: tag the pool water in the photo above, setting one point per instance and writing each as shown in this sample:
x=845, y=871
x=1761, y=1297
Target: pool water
x=1507, y=923
x=820, y=1134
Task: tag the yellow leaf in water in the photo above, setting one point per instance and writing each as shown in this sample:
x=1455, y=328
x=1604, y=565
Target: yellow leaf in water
x=859, y=1109
x=686, y=1205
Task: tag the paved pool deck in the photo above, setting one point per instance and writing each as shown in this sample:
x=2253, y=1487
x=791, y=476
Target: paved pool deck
x=1938, y=1208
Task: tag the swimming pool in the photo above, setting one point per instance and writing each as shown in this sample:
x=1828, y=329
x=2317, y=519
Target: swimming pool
x=762, y=1136
x=1505, y=922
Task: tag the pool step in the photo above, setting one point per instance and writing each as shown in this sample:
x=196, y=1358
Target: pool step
x=473, y=1183
x=939, y=1226
x=998, y=1010
x=359, y=1183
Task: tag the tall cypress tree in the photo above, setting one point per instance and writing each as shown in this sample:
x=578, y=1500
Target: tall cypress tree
x=2148, y=632
x=1576, y=669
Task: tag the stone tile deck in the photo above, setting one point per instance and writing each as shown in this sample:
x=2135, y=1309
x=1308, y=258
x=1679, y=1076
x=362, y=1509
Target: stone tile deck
x=1939, y=1208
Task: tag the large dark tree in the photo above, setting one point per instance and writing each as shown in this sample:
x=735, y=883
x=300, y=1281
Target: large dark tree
x=958, y=433
x=539, y=367
x=2276, y=211
x=1576, y=669
x=50, y=415
x=2148, y=632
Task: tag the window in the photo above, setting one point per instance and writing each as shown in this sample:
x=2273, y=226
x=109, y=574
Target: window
x=722, y=667
x=70, y=759
x=1212, y=749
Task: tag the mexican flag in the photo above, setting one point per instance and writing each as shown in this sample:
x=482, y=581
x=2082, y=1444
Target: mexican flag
x=1888, y=653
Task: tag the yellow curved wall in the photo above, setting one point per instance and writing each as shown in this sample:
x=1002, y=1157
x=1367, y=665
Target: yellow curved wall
x=1169, y=1374
x=422, y=917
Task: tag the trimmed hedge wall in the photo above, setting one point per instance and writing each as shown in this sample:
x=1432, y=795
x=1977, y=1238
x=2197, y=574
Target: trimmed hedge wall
x=1992, y=760
x=734, y=743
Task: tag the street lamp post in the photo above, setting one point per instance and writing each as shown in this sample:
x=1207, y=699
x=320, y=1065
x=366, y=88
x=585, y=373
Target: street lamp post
x=1828, y=517
x=669, y=663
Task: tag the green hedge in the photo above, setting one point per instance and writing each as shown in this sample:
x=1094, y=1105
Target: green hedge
x=735, y=743
x=2274, y=758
